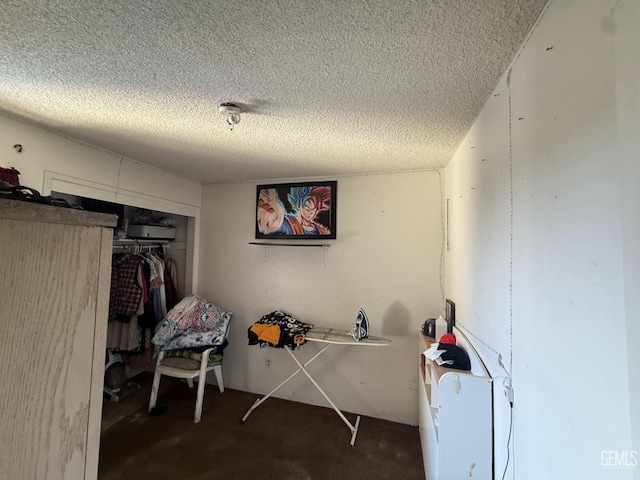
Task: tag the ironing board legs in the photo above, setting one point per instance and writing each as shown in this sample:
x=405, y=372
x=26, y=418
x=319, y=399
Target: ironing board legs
x=352, y=428
x=259, y=401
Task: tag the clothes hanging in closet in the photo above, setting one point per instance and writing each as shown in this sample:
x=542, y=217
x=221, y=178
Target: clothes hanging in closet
x=143, y=289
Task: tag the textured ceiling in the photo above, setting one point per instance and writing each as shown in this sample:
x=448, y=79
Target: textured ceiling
x=327, y=87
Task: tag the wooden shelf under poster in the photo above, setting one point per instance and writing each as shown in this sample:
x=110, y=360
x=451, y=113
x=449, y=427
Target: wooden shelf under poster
x=288, y=244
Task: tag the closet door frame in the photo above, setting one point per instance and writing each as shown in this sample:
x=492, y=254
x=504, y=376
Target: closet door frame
x=63, y=183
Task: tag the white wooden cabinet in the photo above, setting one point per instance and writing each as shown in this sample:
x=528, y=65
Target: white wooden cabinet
x=455, y=417
x=55, y=266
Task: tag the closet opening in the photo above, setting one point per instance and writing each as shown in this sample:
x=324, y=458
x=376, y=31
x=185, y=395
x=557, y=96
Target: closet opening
x=150, y=251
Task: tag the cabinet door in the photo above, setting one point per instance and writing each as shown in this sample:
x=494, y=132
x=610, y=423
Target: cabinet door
x=464, y=432
x=51, y=288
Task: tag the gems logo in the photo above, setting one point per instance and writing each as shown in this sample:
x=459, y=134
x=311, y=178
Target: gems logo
x=621, y=459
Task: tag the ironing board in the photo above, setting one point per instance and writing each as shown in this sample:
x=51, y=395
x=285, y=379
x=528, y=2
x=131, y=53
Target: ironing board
x=328, y=336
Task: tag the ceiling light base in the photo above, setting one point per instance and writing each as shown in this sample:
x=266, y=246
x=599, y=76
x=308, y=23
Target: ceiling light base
x=228, y=109
x=232, y=112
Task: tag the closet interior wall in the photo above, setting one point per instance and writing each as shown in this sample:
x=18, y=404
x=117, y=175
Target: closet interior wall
x=176, y=248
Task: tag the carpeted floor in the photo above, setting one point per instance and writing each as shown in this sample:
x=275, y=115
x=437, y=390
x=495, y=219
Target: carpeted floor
x=134, y=399
x=281, y=440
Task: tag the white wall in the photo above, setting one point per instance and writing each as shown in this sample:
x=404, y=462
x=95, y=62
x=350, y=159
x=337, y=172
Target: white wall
x=387, y=259
x=50, y=162
x=544, y=244
x=627, y=15
x=478, y=259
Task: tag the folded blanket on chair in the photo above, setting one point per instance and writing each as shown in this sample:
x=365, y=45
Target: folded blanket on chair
x=194, y=321
x=190, y=358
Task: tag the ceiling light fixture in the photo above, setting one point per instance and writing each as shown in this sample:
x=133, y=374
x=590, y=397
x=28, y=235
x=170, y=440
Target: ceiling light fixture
x=232, y=111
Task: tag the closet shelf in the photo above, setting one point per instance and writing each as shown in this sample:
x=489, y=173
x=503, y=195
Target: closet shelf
x=130, y=241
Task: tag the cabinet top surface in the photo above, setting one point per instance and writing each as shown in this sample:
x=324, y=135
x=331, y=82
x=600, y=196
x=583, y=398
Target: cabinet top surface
x=36, y=212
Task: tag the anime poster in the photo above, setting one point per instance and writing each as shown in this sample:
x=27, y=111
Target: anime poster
x=301, y=211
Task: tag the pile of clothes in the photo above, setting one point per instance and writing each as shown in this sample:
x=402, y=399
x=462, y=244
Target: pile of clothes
x=10, y=188
x=192, y=326
x=446, y=352
x=278, y=329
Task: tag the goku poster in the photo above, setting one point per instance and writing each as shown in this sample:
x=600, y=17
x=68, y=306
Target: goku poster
x=303, y=211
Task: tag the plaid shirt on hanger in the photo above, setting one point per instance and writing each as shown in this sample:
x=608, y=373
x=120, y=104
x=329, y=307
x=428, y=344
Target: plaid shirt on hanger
x=126, y=294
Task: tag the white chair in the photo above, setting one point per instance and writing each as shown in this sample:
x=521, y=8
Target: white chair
x=188, y=369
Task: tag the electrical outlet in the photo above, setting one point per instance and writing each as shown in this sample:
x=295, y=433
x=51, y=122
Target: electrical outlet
x=267, y=362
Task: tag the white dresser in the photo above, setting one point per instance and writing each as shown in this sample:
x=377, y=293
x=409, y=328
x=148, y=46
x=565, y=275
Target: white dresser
x=456, y=417
x=55, y=266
